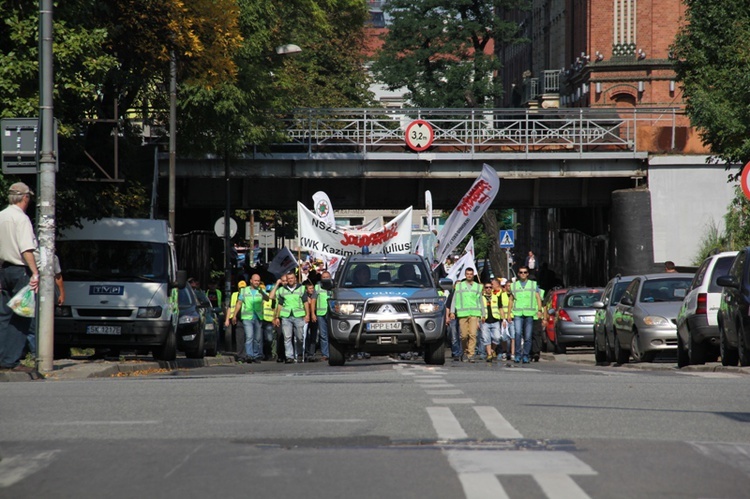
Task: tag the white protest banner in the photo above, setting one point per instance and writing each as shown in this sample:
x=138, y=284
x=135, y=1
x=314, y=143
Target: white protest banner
x=468, y=212
x=419, y=247
x=323, y=207
x=317, y=235
x=282, y=263
x=428, y=209
x=458, y=270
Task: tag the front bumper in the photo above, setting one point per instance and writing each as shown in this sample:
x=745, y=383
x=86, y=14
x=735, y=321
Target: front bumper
x=653, y=339
x=77, y=333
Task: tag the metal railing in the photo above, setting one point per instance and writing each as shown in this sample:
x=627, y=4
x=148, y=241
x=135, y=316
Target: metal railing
x=551, y=81
x=473, y=131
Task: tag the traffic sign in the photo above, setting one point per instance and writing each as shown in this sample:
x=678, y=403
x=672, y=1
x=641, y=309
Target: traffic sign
x=20, y=145
x=507, y=238
x=745, y=180
x=219, y=227
x=419, y=135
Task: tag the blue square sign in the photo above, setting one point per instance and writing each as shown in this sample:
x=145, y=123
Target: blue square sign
x=507, y=238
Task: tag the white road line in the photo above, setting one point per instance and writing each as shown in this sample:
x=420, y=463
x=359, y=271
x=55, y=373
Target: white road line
x=89, y=423
x=445, y=423
x=482, y=486
x=711, y=375
x=184, y=460
x=607, y=373
x=423, y=377
x=452, y=401
x=13, y=469
x=424, y=382
x=559, y=486
x=496, y=423
x=445, y=392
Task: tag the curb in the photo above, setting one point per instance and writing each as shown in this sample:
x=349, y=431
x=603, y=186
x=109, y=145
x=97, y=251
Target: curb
x=70, y=370
x=647, y=366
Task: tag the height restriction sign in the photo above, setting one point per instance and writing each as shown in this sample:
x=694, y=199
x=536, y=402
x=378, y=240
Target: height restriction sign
x=419, y=135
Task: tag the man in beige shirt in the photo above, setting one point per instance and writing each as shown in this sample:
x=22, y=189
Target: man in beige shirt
x=17, y=269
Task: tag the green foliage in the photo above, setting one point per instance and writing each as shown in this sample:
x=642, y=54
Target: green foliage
x=438, y=50
x=737, y=222
x=713, y=64
x=713, y=240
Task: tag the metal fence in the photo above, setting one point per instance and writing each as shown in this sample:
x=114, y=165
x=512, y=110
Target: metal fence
x=471, y=131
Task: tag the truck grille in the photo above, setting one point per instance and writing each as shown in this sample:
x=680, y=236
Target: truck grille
x=104, y=312
x=398, y=308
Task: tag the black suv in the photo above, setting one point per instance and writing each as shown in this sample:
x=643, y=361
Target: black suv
x=385, y=303
x=734, y=322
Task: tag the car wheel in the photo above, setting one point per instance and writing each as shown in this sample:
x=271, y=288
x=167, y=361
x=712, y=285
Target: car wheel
x=335, y=353
x=622, y=356
x=635, y=350
x=682, y=355
x=729, y=356
x=600, y=355
x=696, y=351
x=743, y=350
x=434, y=353
x=213, y=348
x=227, y=340
x=200, y=350
x=168, y=351
x=61, y=352
x=609, y=348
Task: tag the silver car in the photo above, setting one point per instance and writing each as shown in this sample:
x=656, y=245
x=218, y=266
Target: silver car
x=645, y=318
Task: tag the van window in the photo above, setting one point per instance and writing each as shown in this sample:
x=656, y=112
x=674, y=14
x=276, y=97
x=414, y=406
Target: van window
x=124, y=261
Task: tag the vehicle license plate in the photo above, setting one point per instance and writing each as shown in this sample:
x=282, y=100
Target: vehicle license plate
x=384, y=326
x=114, y=330
x=587, y=318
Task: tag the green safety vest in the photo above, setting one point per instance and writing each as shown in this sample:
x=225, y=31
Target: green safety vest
x=321, y=303
x=252, y=303
x=524, y=299
x=468, y=299
x=292, y=302
x=269, y=307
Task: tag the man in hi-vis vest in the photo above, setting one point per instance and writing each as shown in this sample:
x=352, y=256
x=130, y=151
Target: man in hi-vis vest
x=526, y=305
x=468, y=307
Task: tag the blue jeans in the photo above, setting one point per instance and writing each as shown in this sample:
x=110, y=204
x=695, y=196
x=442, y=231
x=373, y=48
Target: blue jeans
x=524, y=326
x=269, y=336
x=253, y=338
x=293, y=325
x=13, y=328
x=455, y=338
x=323, y=334
x=490, y=334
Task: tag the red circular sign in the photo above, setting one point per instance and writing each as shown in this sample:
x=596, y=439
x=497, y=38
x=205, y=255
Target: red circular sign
x=745, y=180
x=419, y=135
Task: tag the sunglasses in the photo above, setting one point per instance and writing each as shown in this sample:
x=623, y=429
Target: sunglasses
x=488, y=287
x=523, y=272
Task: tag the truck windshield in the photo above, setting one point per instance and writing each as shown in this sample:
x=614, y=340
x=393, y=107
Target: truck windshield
x=378, y=274
x=126, y=261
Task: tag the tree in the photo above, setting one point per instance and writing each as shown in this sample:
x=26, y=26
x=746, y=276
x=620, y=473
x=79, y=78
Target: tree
x=712, y=57
x=442, y=50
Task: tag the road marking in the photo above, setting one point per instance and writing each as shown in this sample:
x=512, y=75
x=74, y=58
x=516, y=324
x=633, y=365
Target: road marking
x=496, y=423
x=88, y=423
x=732, y=454
x=445, y=423
x=184, y=460
x=431, y=382
x=452, y=401
x=711, y=375
x=13, y=469
x=427, y=378
x=607, y=373
x=554, y=479
x=445, y=392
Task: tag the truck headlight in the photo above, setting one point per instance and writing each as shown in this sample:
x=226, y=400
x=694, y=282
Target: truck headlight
x=149, y=312
x=425, y=308
x=346, y=308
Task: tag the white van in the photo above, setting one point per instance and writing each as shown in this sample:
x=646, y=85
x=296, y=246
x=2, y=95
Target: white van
x=121, y=285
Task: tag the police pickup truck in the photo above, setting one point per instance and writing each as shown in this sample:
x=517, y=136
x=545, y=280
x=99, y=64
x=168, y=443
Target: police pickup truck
x=383, y=304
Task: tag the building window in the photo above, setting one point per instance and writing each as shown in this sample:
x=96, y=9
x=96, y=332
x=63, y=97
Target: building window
x=624, y=22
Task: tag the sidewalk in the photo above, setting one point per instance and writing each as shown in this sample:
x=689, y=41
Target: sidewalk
x=81, y=368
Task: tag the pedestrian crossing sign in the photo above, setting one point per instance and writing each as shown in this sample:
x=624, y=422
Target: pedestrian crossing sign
x=506, y=238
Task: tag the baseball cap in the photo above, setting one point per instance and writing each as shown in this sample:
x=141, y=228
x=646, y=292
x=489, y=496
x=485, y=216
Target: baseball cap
x=20, y=188
x=241, y=284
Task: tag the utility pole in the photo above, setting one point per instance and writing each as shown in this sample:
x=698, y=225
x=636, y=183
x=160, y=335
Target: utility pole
x=46, y=204
x=172, y=137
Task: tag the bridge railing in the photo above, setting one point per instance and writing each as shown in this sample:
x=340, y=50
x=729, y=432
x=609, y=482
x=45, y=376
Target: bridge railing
x=475, y=131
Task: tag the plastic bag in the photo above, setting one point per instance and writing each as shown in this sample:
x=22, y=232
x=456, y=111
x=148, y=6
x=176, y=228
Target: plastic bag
x=24, y=302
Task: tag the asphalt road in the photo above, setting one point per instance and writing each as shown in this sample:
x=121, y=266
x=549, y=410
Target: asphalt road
x=380, y=428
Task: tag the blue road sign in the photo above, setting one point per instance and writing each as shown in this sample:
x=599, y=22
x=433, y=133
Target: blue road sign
x=507, y=238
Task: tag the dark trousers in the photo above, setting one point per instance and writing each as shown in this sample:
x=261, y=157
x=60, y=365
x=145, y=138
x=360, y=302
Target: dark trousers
x=536, y=338
x=13, y=328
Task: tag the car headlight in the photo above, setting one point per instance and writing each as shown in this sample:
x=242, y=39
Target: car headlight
x=425, y=308
x=655, y=320
x=209, y=327
x=149, y=312
x=63, y=311
x=346, y=308
x=189, y=318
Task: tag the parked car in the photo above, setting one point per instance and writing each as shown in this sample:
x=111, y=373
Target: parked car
x=645, y=318
x=734, y=312
x=574, y=319
x=191, y=324
x=697, y=322
x=604, y=335
x=549, y=305
x=211, y=328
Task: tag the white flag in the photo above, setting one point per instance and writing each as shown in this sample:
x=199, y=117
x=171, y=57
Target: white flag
x=458, y=270
x=282, y=263
x=468, y=212
x=323, y=207
x=428, y=208
x=470, y=247
x=419, y=248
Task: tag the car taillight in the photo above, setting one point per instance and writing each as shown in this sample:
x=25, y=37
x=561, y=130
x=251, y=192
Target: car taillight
x=563, y=315
x=702, y=307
